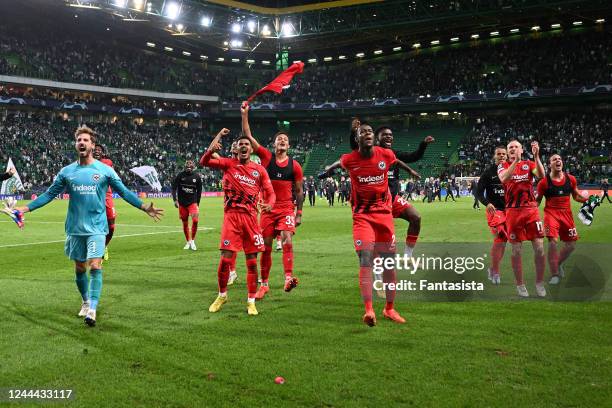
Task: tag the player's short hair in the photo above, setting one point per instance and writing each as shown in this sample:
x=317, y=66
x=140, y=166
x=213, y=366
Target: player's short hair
x=514, y=140
x=381, y=128
x=552, y=155
x=365, y=124
x=84, y=129
x=280, y=132
x=242, y=136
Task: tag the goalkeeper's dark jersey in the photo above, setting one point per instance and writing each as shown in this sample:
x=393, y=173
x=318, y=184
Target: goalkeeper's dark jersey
x=187, y=188
x=5, y=176
x=490, y=189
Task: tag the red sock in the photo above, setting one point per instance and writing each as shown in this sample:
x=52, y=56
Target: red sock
x=389, y=277
x=223, y=274
x=411, y=240
x=266, y=263
x=109, y=236
x=517, y=267
x=540, y=267
x=553, y=260
x=365, y=286
x=497, y=253
x=251, y=276
x=288, y=259
x=233, y=261
x=194, y=228
x=186, y=229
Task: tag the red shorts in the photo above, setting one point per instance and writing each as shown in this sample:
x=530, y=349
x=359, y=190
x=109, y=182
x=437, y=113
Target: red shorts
x=279, y=219
x=399, y=205
x=497, y=225
x=523, y=224
x=185, y=212
x=111, y=213
x=374, y=232
x=560, y=224
x=241, y=231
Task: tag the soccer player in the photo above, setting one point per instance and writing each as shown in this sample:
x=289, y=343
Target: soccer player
x=287, y=177
x=186, y=194
x=522, y=216
x=243, y=183
x=87, y=181
x=9, y=174
x=373, y=231
x=101, y=155
x=401, y=207
x=490, y=192
x=233, y=276
x=557, y=187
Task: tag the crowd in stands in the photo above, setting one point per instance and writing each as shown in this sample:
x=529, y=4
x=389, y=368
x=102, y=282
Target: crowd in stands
x=40, y=147
x=538, y=61
x=584, y=141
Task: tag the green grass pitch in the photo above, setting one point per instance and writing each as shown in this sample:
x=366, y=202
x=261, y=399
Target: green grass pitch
x=156, y=344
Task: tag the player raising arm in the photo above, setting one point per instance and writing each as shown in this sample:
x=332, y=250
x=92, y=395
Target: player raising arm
x=557, y=187
x=522, y=216
x=373, y=231
x=287, y=178
x=243, y=182
x=87, y=181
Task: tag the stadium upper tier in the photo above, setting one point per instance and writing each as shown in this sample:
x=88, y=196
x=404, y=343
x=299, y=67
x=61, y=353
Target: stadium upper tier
x=539, y=60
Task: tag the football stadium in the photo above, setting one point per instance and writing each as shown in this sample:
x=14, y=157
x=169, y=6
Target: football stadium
x=305, y=203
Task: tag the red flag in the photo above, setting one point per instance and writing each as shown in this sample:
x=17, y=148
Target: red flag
x=281, y=81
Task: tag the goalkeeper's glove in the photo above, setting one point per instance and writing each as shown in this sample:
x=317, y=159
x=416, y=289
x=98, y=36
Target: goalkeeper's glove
x=16, y=216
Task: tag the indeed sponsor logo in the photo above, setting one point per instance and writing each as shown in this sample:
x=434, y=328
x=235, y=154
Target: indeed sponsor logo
x=371, y=179
x=245, y=179
x=82, y=188
x=520, y=177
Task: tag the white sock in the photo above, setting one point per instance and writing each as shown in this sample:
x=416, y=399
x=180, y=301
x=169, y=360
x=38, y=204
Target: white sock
x=408, y=251
x=224, y=294
x=251, y=300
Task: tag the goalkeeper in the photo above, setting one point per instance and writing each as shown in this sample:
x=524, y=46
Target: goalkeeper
x=87, y=181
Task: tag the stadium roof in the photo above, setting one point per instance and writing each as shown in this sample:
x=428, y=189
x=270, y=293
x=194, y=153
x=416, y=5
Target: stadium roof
x=235, y=30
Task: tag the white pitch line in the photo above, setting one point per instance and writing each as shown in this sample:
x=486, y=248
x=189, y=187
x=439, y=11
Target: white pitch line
x=116, y=236
x=119, y=225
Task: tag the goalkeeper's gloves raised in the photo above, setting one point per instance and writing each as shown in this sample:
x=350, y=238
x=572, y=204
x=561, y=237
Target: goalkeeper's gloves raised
x=15, y=215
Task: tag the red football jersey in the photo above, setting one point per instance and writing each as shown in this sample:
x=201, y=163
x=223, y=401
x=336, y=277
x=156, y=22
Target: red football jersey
x=558, y=196
x=242, y=183
x=369, y=180
x=109, y=193
x=519, y=189
x=282, y=182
